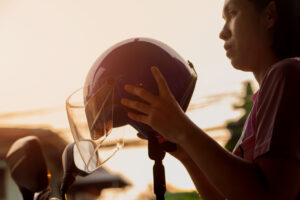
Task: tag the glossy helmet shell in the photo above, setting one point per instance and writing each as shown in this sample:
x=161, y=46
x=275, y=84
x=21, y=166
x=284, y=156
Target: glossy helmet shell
x=129, y=62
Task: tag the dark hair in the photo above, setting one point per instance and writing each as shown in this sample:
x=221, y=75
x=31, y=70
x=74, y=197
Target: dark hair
x=287, y=28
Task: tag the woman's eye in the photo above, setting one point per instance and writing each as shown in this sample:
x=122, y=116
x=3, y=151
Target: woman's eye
x=232, y=13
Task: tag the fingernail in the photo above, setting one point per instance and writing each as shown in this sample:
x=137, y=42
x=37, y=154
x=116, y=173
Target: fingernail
x=123, y=101
x=130, y=115
x=127, y=87
x=153, y=69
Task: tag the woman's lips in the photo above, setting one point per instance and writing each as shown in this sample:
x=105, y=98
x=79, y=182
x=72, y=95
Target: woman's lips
x=227, y=46
x=229, y=53
x=228, y=49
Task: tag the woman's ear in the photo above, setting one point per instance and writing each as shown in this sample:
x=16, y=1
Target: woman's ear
x=270, y=15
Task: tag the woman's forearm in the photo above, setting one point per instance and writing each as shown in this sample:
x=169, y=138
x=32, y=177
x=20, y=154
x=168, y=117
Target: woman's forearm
x=206, y=190
x=231, y=175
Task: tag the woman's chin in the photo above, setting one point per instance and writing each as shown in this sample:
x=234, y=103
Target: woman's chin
x=239, y=65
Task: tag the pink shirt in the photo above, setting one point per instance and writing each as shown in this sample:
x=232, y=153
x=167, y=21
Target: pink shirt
x=273, y=126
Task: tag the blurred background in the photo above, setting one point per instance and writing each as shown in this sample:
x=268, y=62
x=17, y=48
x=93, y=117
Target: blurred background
x=46, y=49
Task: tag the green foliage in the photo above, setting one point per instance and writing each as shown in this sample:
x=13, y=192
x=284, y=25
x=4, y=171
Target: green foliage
x=182, y=196
x=236, y=127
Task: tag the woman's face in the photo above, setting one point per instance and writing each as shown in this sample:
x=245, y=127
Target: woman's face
x=247, y=39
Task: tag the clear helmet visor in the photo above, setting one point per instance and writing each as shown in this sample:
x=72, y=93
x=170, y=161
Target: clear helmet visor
x=91, y=123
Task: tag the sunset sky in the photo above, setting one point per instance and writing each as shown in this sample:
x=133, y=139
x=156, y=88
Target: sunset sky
x=48, y=46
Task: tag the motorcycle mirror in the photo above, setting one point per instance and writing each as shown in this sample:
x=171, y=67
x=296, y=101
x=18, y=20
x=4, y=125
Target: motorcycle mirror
x=74, y=165
x=27, y=165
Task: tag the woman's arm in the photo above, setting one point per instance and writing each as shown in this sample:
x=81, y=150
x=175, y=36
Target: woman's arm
x=231, y=175
x=269, y=177
x=234, y=177
x=206, y=190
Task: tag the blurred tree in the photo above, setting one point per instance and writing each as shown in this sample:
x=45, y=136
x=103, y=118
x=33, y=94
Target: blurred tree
x=182, y=196
x=236, y=127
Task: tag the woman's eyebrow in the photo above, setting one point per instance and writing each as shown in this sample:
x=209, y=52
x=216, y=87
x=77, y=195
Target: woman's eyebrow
x=225, y=11
x=226, y=8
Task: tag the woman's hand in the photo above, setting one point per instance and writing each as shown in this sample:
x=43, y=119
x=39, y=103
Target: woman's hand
x=162, y=113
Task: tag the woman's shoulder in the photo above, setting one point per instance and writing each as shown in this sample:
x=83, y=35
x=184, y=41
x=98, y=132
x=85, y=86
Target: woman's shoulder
x=283, y=69
x=287, y=65
x=278, y=111
x=283, y=74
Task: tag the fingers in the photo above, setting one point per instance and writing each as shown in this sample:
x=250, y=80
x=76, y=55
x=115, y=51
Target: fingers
x=138, y=117
x=140, y=92
x=138, y=106
x=160, y=80
x=156, y=103
x=144, y=94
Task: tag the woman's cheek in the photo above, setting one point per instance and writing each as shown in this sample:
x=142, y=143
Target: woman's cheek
x=235, y=23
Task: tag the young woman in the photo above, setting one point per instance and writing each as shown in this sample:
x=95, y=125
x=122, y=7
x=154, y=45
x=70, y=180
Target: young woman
x=263, y=37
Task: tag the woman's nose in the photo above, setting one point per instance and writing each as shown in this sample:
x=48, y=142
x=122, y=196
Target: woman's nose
x=225, y=33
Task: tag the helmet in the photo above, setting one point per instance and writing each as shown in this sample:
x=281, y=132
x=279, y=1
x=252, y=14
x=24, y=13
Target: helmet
x=100, y=109
x=129, y=62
